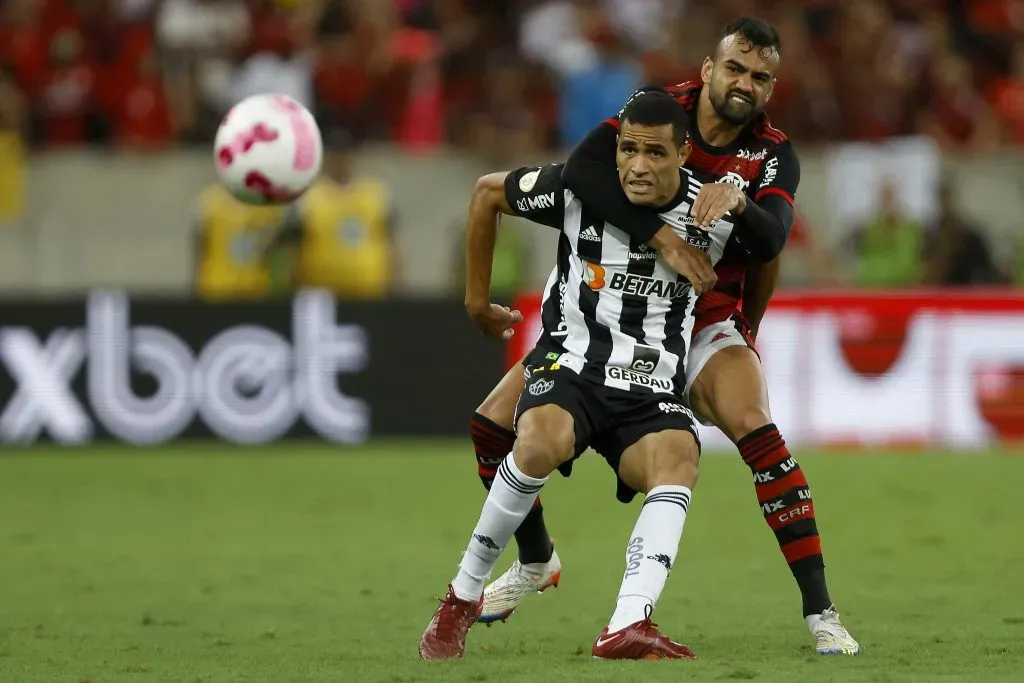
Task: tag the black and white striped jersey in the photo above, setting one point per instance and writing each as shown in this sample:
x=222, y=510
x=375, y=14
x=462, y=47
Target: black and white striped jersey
x=616, y=313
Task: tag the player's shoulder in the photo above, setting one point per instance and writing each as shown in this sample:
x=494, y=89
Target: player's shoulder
x=686, y=93
x=697, y=177
x=768, y=135
x=530, y=178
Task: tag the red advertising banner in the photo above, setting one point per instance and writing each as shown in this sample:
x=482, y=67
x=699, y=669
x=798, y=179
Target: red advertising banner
x=939, y=367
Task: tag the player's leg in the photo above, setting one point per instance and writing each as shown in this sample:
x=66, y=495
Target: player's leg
x=662, y=464
x=538, y=566
x=491, y=430
x=548, y=434
x=730, y=390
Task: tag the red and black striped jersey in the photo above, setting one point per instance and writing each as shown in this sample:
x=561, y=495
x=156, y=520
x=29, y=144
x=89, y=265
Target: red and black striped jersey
x=761, y=161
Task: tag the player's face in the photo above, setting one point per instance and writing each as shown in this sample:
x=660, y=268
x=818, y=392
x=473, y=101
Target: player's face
x=739, y=79
x=648, y=160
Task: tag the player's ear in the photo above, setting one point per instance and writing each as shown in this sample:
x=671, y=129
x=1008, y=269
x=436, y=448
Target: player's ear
x=684, y=152
x=771, y=89
x=705, y=70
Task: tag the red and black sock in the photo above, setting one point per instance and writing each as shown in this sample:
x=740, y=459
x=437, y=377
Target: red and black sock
x=492, y=443
x=785, y=500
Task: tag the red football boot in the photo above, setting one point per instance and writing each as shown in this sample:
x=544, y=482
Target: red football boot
x=445, y=637
x=641, y=640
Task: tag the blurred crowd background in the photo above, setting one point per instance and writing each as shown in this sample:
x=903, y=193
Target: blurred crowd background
x=106, y=95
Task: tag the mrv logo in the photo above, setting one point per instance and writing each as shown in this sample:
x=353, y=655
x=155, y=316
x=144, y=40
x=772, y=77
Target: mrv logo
x=248, y=384
x=541, y=201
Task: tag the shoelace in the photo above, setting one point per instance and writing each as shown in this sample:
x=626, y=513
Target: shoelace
x=448, y=614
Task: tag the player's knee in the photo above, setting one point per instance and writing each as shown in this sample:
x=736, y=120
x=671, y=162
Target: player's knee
x=546, y=439
x=675, y=463
x=746, y=420
x=498, y=410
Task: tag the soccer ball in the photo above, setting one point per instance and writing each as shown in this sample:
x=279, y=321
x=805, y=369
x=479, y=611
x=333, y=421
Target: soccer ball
x=268, y=150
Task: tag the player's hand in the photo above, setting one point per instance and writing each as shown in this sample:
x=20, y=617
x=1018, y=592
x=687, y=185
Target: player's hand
x=495, y=321
x=714, y=200
x=693, y=264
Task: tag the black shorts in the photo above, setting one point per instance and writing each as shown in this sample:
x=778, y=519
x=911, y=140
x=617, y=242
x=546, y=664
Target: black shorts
x=606, y=419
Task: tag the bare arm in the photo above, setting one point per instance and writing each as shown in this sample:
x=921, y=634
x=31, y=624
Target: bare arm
x=485, y=207
x=758, y=287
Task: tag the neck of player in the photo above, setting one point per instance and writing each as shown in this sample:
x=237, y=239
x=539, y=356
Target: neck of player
x=714, y=130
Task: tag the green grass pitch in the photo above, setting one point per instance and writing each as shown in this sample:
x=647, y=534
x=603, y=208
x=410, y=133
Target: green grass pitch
x=202, y=564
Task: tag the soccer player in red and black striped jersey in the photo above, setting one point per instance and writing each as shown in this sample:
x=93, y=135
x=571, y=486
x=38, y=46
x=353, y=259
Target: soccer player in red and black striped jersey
x=759, y=172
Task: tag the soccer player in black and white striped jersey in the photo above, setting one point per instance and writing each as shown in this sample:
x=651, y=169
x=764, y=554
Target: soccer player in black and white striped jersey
x=606, y=373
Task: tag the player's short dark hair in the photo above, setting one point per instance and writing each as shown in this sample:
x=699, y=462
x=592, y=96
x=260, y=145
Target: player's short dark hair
x=658, y=108
x=757, y=32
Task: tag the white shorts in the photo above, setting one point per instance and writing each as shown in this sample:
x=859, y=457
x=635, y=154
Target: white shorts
x=705, y=344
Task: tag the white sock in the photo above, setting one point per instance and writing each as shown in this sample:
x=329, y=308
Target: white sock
x=508, y=502
x=650, y=554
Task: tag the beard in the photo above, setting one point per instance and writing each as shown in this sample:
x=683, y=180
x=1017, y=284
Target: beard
x=733, y=112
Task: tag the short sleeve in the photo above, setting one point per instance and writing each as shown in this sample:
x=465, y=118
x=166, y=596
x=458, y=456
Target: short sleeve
x=537, y=194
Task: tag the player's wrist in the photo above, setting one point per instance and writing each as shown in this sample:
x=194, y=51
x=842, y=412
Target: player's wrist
x=475, y=304
x=741, y=203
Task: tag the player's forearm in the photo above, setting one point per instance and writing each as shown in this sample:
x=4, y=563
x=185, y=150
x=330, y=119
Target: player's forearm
x=591, y=175
x=667, y=241
x=758, y=287
x=485, y=209
x=762, y=228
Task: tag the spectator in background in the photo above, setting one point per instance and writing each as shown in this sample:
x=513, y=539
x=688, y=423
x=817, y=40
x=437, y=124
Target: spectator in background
x=576, y=39
x=281, y=62
x=201, y=40
x=235, y=248
x=888, y=248
x=23, y=44
x=12, y=150
x=505, y=128
x=343, y=228
x=957, y=254
x=955, y=114
x=351, y=61
x=66, y=110
x=805, y=259
x=1007, y=96
x=134, y=98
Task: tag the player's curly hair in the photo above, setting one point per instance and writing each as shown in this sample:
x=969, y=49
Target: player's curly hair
x=758, y=32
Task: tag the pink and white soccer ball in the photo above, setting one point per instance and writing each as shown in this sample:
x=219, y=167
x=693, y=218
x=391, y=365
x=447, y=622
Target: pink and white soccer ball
x=268, y=150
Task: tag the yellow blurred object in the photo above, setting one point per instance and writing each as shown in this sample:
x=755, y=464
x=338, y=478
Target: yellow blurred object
x=234, y=238
x=12, y=176
x=346, y=241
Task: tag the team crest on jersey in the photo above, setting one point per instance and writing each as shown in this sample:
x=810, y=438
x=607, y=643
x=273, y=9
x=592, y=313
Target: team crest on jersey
x=698, y=238
x=736, y=179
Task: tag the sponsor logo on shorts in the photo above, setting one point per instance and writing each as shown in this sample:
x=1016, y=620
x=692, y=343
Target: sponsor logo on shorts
x=541, y=387
x=674, y=409
x=638, y=378
x=590, y=234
